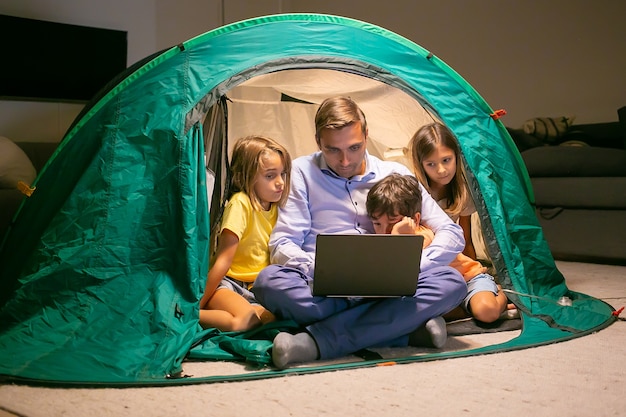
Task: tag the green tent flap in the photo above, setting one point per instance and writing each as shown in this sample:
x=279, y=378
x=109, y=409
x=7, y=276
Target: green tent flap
x=103, y=267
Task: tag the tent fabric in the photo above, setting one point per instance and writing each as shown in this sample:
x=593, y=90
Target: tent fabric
x=103, y=267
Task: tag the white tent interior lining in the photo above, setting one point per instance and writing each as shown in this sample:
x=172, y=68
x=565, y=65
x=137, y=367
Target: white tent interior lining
x=257, y=107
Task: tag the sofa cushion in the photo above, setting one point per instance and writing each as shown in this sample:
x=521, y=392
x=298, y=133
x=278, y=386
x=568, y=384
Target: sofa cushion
x=585, y=235
x=580, y=192
x=548, y=129
x=14, y=165
x=575, y=161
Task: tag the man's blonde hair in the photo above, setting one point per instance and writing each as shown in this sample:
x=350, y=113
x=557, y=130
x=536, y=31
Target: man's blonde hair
x=336, y=113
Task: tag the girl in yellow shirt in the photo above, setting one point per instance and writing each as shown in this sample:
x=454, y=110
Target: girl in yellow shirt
x=260, y=174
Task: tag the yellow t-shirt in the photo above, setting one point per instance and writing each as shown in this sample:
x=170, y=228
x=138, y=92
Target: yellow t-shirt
x=253, y=228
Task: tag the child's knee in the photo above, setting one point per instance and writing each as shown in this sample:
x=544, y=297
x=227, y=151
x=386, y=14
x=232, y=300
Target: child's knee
x=485, y=308
x=245, y=322
x=487, y=316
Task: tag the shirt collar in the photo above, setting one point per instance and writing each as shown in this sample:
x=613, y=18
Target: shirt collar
x=369, y=172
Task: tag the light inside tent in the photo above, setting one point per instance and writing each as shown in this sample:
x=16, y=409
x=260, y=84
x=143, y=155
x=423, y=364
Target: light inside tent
x=282, y=105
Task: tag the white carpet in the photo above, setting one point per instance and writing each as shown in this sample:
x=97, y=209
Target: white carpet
x=585, y=376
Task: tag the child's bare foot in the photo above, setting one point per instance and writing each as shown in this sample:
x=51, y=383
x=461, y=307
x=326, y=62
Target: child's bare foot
x=264, y=315
x=511, y=312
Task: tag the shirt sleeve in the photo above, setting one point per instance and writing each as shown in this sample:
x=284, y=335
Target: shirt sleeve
x=236, y=215
x=448, y=241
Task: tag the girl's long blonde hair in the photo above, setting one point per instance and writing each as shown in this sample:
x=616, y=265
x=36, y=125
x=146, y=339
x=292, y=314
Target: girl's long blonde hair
x=247, y=160
x=421, y=146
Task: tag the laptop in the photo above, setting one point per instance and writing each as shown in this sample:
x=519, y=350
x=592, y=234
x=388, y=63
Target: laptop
x=367, y=265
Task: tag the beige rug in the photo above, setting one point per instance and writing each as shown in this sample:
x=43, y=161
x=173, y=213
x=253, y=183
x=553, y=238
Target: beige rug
x=585, y=376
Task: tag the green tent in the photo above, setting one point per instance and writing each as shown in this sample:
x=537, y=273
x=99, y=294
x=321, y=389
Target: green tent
x=103, y=266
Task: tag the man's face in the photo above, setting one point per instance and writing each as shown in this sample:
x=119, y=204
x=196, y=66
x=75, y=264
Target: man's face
x=344, y=150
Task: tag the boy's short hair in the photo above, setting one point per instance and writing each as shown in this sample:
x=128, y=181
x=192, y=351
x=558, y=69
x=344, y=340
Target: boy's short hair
x=396, y=194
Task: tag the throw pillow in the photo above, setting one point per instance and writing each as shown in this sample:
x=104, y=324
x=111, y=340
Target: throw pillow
x=548, y=128
x=14, y=165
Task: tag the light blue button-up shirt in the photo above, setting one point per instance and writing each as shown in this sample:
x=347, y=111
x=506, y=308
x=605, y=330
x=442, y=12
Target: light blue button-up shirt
x=320, y=201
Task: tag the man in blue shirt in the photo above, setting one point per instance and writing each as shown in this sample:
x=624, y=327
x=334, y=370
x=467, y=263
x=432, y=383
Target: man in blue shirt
x=328, y=193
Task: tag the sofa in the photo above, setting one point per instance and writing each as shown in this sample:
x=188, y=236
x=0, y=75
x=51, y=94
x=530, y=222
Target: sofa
x=579, y=185
x=19, y=161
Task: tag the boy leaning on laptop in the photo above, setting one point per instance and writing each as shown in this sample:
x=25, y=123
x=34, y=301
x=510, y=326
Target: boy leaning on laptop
x=394, y=204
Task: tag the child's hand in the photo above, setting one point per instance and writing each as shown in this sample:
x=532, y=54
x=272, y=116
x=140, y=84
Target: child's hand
x=205, y=300
x=428, y=235
x=406, y=226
